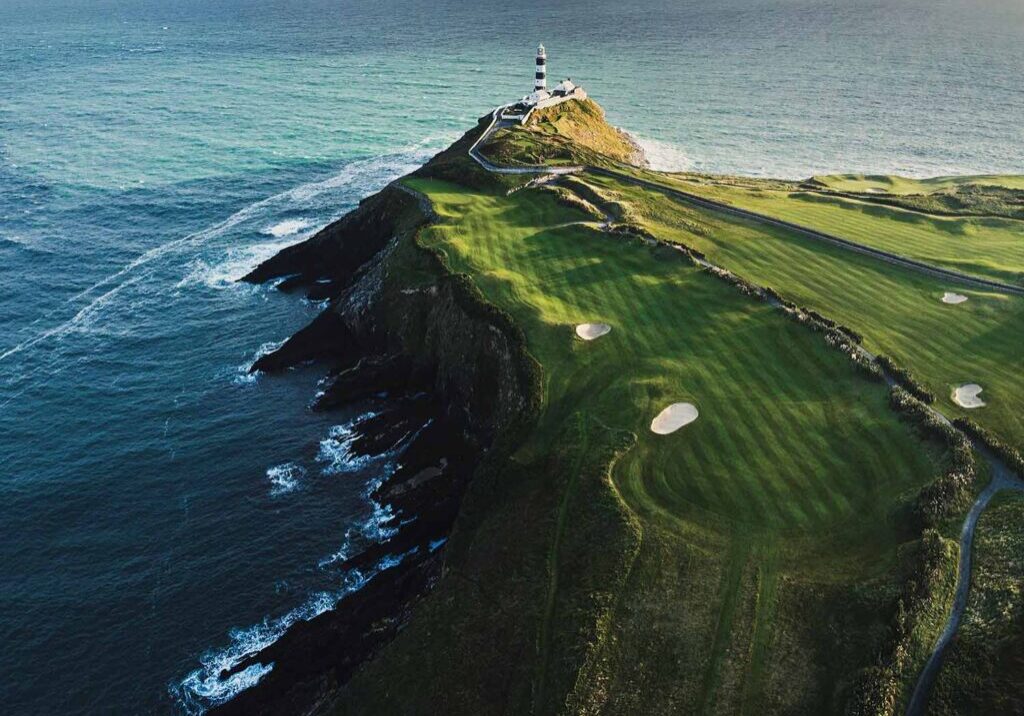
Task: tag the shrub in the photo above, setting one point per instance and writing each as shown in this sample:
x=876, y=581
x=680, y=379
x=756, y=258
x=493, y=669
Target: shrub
x=906, y=379
x=1007, y=453
x=947, y=494
x=878, y=690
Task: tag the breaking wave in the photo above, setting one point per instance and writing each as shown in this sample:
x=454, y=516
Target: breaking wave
x=204, y=688
x=242, y=373
x=288, y=227
x=226, y=270
x=285, y=478
x=665, y=157
x=335, y=451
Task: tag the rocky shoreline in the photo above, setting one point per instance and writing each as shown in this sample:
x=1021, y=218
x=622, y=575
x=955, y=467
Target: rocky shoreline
x=458, y=382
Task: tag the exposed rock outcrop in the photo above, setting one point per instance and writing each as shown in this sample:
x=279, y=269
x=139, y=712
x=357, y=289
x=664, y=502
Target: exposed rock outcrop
x=398, y=323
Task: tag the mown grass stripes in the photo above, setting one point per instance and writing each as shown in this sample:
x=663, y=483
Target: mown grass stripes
x=987, y=247
x=790, y=438
x=899, y=312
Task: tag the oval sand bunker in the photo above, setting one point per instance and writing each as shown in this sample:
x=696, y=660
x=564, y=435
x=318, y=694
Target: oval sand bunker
x=590, y=331
x=953, y=298
x=674, y=417
x=966, y=396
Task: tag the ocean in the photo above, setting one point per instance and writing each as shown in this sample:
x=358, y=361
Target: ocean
x=162, y=511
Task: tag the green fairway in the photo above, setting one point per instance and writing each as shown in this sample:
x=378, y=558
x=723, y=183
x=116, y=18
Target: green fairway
x=988, y=247
x=892, y=184
x=789, y=437
x=785, y=492
x=897, y=310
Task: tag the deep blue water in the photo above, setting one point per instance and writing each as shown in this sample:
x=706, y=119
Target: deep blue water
x=160, y=510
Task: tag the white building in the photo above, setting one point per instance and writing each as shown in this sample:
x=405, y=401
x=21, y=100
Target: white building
x=541, y=96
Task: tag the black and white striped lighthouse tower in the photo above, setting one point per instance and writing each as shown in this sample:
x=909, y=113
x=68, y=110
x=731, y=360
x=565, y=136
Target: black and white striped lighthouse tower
x=540, y=81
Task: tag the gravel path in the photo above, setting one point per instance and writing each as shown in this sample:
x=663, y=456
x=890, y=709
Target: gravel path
x=1002, y=479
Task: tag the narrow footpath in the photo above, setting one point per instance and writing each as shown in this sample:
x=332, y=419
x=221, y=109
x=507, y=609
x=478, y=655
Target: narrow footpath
x=1002, y=479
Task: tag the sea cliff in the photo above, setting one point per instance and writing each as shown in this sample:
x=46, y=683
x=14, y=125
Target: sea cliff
x=397, y=322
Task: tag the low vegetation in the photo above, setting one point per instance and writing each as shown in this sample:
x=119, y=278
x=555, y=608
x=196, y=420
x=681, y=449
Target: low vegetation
x=790, y=551
x=951, y=196
x=569, y=133
x=950, y=493
x=983, y=672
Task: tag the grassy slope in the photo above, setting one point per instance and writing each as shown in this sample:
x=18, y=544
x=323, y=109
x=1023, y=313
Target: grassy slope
x=989, y=247
x=984, y=669
x=790, y=440
x=568, y=133
x=750, y=563
x=898, y=311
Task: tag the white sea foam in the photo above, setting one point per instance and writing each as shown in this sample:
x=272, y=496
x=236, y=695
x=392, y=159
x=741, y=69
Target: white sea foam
x=242, y=373
x=378, y=526
x=204, y=688
x=200, y=690
x=339, y=556
x=663, y=156
x=335, y=450
x=285, y=478
x=287, y=227
x=232, y=265
x=318, y=305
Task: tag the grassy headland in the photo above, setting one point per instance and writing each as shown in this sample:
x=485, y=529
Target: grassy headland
x=769, y=557
x=761, y=560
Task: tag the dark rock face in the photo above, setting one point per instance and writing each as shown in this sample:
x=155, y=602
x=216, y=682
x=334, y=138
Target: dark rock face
x=457, y=374
x=334, y=253
x=315, y=656
x=371, y=376
x=326, y=338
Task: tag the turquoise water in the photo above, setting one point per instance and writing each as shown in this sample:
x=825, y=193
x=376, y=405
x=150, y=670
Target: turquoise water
x=162, y=512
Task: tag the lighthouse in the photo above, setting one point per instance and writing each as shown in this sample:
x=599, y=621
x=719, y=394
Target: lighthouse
x=541, y=96
x=540, y=81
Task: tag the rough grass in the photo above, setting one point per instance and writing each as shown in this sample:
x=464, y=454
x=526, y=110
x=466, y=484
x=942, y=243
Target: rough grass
x=582, y=122
x=573, y=132
x=898, y=311
x=983, y=672
x=989, y=247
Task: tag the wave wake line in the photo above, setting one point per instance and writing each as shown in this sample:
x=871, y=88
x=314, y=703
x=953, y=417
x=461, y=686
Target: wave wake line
x=382, y=169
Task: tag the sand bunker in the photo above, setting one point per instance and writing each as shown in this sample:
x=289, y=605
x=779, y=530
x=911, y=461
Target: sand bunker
x=674, y=417
x=953, y=298
x=966, y=396
x=590, y=331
